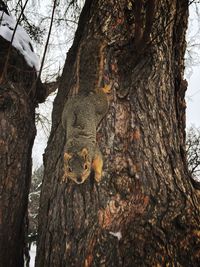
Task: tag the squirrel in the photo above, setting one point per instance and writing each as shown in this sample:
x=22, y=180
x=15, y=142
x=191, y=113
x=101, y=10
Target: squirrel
x=80, y=118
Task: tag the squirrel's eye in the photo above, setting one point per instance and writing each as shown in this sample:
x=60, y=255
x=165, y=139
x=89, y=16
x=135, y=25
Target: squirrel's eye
x=70, y=169
x=85, y=166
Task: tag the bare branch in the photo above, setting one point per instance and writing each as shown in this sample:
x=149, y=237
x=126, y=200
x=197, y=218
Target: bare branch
x=48, y=37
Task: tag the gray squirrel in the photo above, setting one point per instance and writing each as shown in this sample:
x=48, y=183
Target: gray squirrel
x=80, y=119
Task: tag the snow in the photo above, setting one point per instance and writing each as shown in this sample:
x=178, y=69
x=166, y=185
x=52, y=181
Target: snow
x=39, y=185
x=116, y=234
x=32, y=253
x=21, y=41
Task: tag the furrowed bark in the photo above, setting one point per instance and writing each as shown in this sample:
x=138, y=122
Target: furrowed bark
x=145, y=210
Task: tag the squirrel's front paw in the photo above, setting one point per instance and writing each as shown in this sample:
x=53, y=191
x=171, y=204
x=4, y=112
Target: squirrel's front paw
x=97, y=166
x=107, y=88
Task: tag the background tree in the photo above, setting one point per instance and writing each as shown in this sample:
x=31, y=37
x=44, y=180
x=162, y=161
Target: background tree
x=34, y=197
x=20, y=92
x=145, y=211
x=193, y=154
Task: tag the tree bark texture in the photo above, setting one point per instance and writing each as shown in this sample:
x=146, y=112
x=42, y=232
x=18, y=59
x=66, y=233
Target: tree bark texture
x=18, y=98
x=145, y=211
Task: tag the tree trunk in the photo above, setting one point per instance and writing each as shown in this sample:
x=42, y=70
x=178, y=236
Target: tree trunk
x=144, y=212
x=18, y=97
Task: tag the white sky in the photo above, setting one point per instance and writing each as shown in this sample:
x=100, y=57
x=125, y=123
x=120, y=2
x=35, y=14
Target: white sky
x=193, y=99
x=42, y=133
x=193, y=67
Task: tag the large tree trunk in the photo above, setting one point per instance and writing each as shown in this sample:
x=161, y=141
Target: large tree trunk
x=145, y=211
x=18, y=97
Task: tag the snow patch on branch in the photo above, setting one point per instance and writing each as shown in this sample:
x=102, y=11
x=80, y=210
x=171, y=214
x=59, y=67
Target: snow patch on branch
x=21, y=41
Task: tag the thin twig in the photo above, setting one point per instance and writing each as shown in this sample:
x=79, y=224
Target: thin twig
x=48, y=37
x=46, y=46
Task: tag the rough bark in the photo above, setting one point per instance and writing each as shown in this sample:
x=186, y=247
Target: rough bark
x=19, y=94
x=145, y=196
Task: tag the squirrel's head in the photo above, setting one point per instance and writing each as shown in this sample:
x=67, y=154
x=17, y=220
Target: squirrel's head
x=77, y=165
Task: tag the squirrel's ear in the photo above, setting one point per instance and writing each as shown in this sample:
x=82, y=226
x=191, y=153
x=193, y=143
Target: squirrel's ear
x=84, y=152
x=67, y=156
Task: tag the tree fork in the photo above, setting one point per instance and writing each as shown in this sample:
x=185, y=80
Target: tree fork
x=145, y=210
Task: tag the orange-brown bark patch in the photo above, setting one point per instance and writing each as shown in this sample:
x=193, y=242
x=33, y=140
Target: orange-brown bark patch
x=120, y=212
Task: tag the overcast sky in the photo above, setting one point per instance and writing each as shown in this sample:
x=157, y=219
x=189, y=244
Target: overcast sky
x=193, y=99
x=193, y=67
